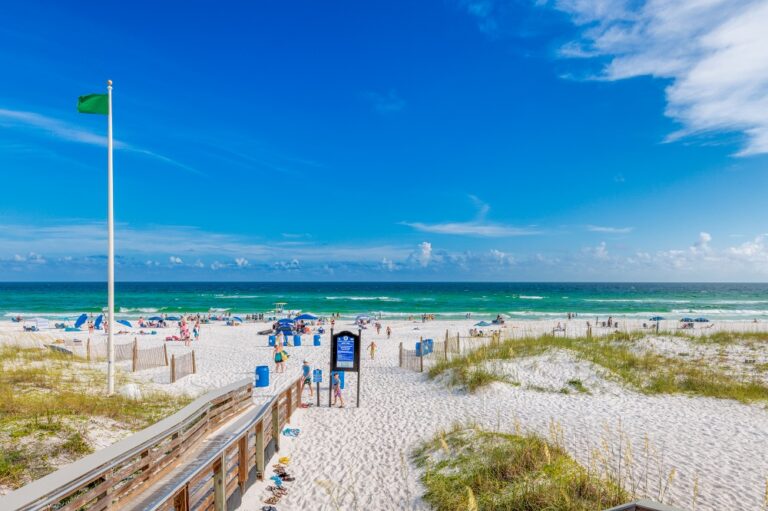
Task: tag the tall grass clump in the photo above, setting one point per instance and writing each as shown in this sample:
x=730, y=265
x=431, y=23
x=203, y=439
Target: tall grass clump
x=46, y=402
x=468, y=468
x=624, y=357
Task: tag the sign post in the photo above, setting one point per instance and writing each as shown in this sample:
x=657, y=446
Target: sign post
x=345, y=357
x=317, y=377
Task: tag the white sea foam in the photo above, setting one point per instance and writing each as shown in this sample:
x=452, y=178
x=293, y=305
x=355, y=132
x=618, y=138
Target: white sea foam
x=531, y=297
x=365, y=298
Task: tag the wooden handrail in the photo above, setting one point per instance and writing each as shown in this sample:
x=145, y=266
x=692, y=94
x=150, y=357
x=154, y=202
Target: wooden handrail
x=125, y=470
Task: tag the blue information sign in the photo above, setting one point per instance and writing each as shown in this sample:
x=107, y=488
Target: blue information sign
x=317, y=376
x=345, y=352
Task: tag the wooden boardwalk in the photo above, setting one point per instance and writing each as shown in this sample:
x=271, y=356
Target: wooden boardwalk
x=204, y=457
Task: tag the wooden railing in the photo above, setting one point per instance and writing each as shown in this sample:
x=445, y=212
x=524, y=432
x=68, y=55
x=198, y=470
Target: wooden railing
x=166, y=466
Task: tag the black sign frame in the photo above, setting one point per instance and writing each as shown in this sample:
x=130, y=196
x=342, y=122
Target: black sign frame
x=334, y=344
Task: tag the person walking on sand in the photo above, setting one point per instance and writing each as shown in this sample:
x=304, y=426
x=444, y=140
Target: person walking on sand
x=389, y=332
x=337, y=391
x=372, y=349
x=307, y=381
x=278, y=353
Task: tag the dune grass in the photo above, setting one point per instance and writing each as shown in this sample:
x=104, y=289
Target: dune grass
x=46, y=401
x=472, y=469
x=624, y=357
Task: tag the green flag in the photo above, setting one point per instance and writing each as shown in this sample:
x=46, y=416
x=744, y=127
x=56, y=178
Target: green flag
x=93, y=104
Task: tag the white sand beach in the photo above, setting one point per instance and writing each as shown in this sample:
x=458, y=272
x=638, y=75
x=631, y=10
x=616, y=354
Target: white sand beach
x=359, y=458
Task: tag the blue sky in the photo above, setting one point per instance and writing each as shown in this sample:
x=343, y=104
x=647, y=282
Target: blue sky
x=437, y=140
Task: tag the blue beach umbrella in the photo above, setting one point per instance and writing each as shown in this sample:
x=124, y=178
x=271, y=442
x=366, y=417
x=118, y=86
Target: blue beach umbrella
x=156, y=318
x=483, y=323
x=285, y=321
x=305, y=317
x=81, y=320
x=173, y=318
x=235, y=318
x=656, y=318
x=686, y=320
x=97, y=324
x=701, y=320
x=125, y=322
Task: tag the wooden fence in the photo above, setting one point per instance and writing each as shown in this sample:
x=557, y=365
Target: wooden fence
x=183, y=365
x=98, y=350
x=167, y=466
x=148, y=358
x=417, y=360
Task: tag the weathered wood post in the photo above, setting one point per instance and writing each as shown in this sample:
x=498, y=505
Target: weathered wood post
x=276, y=424
x=135, y=355
x=165, y=353
x=242, y=462
x=88, y=349
x=173, y=368
x=194, y=365
x=421, y=354
x=401, y=354
x=260, y=449
x=219, y=490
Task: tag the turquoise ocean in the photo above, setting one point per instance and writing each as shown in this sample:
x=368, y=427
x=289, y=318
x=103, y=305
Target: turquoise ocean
x=447, y=300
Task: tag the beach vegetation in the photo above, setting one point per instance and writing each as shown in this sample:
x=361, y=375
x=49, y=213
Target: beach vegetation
x=470, y=468
x=48, y=403
x=624, y=356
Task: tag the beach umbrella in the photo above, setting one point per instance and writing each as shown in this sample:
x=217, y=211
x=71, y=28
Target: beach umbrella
x=656, y=318
x=305, y=317
x=97, y=324
x=701, y=320
x=686, y=320
x=483, y=323
x=155, y=318
x=125, y=322
x=363, y=317
x=285, y=321
x=235, y=318
x=173, y=318
x=80, y=320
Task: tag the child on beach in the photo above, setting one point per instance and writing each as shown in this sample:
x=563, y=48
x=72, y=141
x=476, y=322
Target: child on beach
x=279, y=358
x=307, y=381
x=389, y=332
x=372, y=349
x=337, y=390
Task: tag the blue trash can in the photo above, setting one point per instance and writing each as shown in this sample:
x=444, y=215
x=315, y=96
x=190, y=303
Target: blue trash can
x=418, y=349
x=297, y=340
x=430, y=346
x=341, y=377
x=317, y=340
x=262, y=376
x=272, y=340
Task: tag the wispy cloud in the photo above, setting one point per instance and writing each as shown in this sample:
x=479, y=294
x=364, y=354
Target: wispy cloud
x=610, y=230
x=477, y=227
x=714, y=53
x=49, y=126
x=386, y=103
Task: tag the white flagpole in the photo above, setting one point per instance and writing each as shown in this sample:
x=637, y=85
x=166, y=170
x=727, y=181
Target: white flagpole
x=111, y=254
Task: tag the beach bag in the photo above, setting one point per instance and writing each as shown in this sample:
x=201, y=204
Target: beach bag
x=285, y=355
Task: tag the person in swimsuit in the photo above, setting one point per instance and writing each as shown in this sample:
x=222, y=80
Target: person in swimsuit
x=278, y=353
x=372, y=349
x=307, y=381
x=337, y=390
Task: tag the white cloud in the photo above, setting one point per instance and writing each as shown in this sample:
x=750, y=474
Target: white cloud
x=386, y=103
x=62, y=130
x=477, y=227
x=175, y=260
x=199, y=264
x=217, y=265
x=714, y=52
x=610, y=230
x=425, y=253
x=501, y=257
x=388, y=264
x=241, y=262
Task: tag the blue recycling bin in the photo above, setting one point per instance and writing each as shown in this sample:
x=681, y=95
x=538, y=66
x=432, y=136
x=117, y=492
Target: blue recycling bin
x=316, y=340
x=262, y=376
x=430, y=346
x=272, y=340
x=341, y=377
x=418, y=349
x=297, y=340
